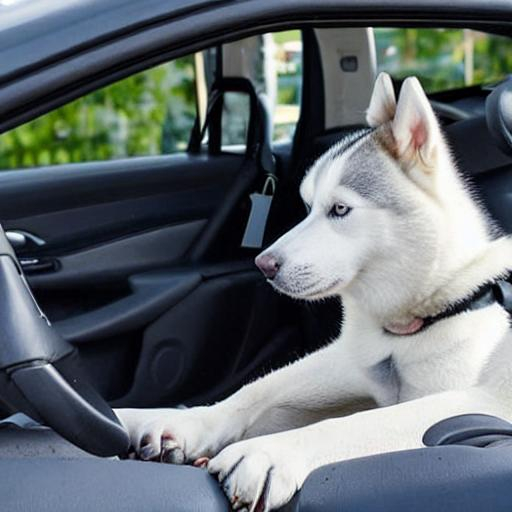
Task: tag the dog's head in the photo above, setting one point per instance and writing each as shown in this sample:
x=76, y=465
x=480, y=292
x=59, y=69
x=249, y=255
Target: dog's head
x=383, y=206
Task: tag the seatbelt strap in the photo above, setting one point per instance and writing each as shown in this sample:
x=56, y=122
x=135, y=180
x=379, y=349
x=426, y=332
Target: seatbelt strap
x=258, y=163
x=261, y=202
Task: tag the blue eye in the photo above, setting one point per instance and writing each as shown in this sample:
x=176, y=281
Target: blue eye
x=339, y=210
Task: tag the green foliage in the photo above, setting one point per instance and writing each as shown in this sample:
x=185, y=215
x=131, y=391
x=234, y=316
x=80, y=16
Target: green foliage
x=493, y=59
x=150, y=113
x=288, y=35
x=288, y=92
x=437, y=56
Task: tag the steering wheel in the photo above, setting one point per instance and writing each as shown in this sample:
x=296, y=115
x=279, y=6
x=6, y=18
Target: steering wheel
x=40, y=373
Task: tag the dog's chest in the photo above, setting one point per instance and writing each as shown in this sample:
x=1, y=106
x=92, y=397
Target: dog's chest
x=394, y=381
x=448, y=355
x=397, y=377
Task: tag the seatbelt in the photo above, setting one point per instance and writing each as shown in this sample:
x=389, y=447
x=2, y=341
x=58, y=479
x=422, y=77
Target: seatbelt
x=261, y=202
x=258, y=162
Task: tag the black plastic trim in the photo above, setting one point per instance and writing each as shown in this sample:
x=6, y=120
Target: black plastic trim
x=91, y=426
x=95, y=485
x=152, y=294
x=468, y=429
x=440, y=479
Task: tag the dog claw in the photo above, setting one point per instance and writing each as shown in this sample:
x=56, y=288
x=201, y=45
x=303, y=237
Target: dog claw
x=236, y=504
x=170, y=452
x=147, y=452
x=175, y=456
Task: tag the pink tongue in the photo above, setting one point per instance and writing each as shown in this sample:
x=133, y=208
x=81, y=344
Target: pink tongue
x=403, y=329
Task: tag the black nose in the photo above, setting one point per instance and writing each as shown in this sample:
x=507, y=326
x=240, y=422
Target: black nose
x=268, y=264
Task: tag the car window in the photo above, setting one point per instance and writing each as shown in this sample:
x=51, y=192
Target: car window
x=443, y=58
x=153, y=112
x=149, y=113
x=288, y=52
x=273, y=63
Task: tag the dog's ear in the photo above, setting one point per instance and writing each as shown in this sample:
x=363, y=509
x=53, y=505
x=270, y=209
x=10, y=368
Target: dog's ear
x=382, y=103
x=415, y=127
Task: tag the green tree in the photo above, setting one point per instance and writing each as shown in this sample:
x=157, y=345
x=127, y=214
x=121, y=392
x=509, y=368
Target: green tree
x=436, y=56
x=149, y=113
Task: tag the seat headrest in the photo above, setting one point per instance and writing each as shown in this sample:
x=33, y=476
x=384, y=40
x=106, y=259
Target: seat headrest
x=498, y=112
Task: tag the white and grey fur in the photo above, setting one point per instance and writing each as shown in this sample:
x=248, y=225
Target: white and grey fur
x=414, y=242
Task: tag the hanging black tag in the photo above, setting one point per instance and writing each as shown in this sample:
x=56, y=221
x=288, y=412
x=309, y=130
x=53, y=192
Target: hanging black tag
x=260, y=208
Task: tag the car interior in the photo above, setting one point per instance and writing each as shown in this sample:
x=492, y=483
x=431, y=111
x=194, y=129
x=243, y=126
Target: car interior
x=144, y=264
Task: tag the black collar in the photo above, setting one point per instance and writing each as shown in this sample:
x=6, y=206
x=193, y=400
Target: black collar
x=499, y=291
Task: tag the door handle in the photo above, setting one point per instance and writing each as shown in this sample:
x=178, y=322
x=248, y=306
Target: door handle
x=20, y=239
x=36, y=265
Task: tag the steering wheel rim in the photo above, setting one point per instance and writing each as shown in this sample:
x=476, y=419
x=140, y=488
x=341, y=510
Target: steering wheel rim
x=40, y=373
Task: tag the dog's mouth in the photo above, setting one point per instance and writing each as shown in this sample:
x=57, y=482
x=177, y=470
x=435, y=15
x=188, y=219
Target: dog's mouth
x=312, y=292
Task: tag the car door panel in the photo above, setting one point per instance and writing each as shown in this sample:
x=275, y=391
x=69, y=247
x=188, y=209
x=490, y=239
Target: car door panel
x=73, y=206
x=116, y=234
x=117, y=259
x=216, y=337
x=151, y=294
x=152, y=325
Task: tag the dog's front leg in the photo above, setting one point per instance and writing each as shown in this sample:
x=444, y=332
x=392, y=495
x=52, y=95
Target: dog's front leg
x=307, y=391
x=264, y=473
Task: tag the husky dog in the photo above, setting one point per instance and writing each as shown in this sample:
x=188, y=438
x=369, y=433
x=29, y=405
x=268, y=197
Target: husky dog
x=393, y=230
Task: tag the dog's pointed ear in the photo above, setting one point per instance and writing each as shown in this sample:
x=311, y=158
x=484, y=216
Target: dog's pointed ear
x=382, y=103
x=415, y=127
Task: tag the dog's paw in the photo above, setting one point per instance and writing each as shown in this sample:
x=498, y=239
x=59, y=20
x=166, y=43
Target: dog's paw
x=259, y=474
x=174, y=436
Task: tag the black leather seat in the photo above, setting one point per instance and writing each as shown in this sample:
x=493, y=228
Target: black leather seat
x=483, y=149
x=100, y=485
x=498, y=112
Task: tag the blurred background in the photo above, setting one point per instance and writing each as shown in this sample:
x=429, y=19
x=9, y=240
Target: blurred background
x=152, y=113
